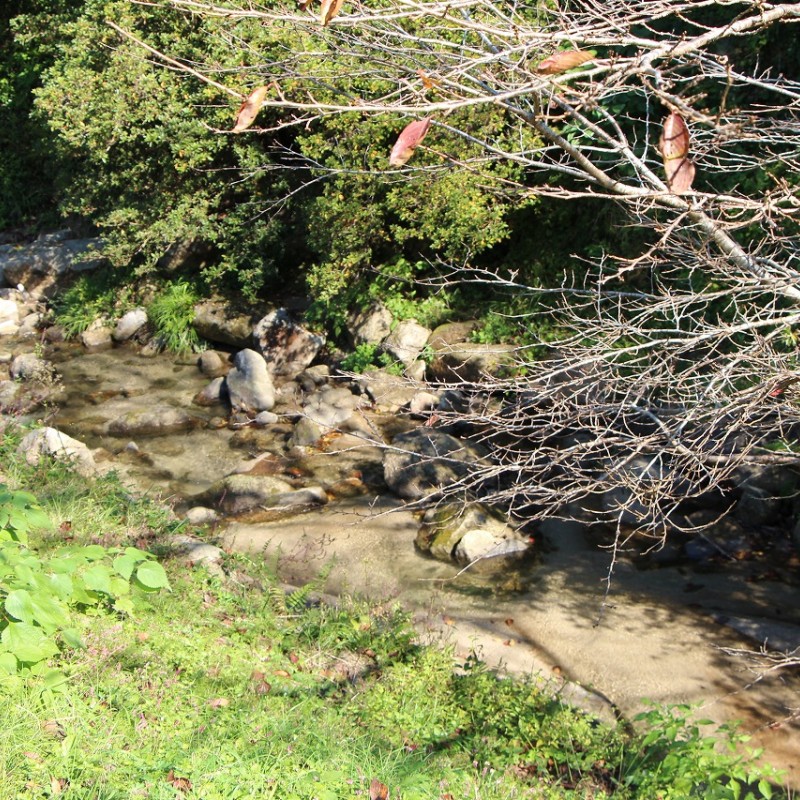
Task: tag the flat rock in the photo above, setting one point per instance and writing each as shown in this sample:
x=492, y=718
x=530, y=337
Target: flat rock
x=151, y=422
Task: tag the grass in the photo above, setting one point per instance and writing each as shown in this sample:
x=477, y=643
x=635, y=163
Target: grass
x=226, y=687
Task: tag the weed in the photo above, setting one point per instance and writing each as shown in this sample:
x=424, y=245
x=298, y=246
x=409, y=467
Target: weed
x=172, y=315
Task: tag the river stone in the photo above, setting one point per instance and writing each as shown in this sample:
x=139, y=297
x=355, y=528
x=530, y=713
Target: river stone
x=9, y=390
x=406, y=341
x=219, y=322
x=240, y=494
x=129, y=325
x=96, y=337
x=195, y=551
x=249, y=383
x=52, y=442
x=156, y=421
x=469, y=361
x=212, y=394
x=9, y=317
x=452, y=333
x=331, y=406
x=487, y=550
x=313, y=377
x=213, y=364
x=39, y=265
x=29, y=367
x=370, y=326
x=306, y=433
x=287, y=347
x=266, y=418
x=201, y=515
x=425, y=460
x=29, y=326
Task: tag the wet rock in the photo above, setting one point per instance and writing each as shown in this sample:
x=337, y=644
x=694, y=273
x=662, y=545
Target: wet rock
x=265, y=418
x=313, y=377
x=156, y=421
x=9, y=317
x=422, y=403
x=489, y=550
x=29, y=367
x=212, y=394
x=97, y=337
x=213, y=364
x=727, y=539
x=287, y=347
x=370, y=326
x=241, y=494
x=470, y=361
x=223, y=323
x=129, y=325
x=249, y=383
x=40, y=265
x=331, y=406
x=424, y=461
x=29, y=326
x=51, y=442
x=306, y=433
x=452, y=333
x=766, y=493
x=406, y=341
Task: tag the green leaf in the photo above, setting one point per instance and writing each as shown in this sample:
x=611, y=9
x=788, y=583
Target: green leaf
x=125, y=565
x=151, y=576
x=72, y=638
x=54, y=679
x=93, y=552
x=98, y=578
x=765, y=788
x=124, y=605
x=8, y=663
x=19, y=605
x=27, y=642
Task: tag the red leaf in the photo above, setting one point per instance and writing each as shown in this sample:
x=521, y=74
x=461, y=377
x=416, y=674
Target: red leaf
x=561, y=62
x=248, y=111
x=674, y=147
x=378, y=790
x=407, y=142
x=330, y=8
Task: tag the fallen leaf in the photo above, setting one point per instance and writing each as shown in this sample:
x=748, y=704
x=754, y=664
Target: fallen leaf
x=262, y=687
x=257, y=675
x=65, y=526
x=219, y=702
x=57, y=786
x=448, y=620
x=378, y=790
x=54, y=728
x=509, y=621
x=282, y=673
x=181, y=784
x=509, y=642
x=330, y=8
x=674, y=147
x=249, y=109
x=408, y=140
x=293, y=657
x=561, y=62
x=427, y=81
x=35, y=757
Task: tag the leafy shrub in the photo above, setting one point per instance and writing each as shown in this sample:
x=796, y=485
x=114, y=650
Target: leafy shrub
x=98, y=295
x=172, y=314
x=39, y=593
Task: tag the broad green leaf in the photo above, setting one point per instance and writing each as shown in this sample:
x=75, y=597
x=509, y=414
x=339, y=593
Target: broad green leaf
x=151, y=575
x=8, y=663
x=72, y=638
x=61, y=586
x=93, y=552
x=19, y=605
x=54, y=679
x=125, y=565
x=27, y=642
x=124, y=605
x=98, y=578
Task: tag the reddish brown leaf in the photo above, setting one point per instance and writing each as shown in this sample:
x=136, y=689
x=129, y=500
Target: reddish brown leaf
x=282, y=673
x=566, y=59
x=407, y=141
x=674, y=146
x=330, y=8
x=248, y=111
x=181, y=784
x=219, y=702
x=378, y=790
x=427, y=81
x=294, y=658
x=57, y=786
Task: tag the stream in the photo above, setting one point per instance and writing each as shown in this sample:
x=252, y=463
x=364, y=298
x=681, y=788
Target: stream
x=656, y=635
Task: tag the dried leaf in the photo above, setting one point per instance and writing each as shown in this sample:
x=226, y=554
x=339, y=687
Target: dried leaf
x=248, y=111
x=674, y=147
x=54, y=728
x=330, y=8
x=407, y=142
x=180, y=784
x=427, y=81
x=282, y=673
x=561, y=62
x=219, y=702
x=57, y=786
x=378, y=790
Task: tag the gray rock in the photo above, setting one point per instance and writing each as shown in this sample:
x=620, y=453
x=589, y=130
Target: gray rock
x=470, y=361
x=200, y=515
x=484, y=549
x=249, y=383
x=331, y=406
x=29, y=326
x=424, y=461
x=406, y=341
x=240, y=494
x=226, y=324
x=213, y=364
x=423, y=402
x=306, y=433
x=96, y=338
x=452, y=333
x=9, y=317
x=265, y=419
x=313, y=377
x=129, y=325
x=29, y=367
x=196, y=552
x=51, y=442
x=370, y=326
x=155, y=421
x=287, y=347
x=39, y=265
x=212, y=394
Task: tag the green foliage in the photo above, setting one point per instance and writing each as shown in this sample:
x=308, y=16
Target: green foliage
x=102, y=294
x=172, y=313
x=39, y=593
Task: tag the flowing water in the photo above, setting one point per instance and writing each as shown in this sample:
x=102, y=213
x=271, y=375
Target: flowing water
x=656, y=635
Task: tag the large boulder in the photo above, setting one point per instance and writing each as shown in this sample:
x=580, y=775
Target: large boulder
x=469, y=361
x=129, y=324
x=40, y=265
x=371, y=325
x=30, y=367
x=288, y=348
x=424, y=461
x=332, y=405
x=9, y=317
x=406, y=341
x=223, y=323
x=249, y=384
x=50, y=442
